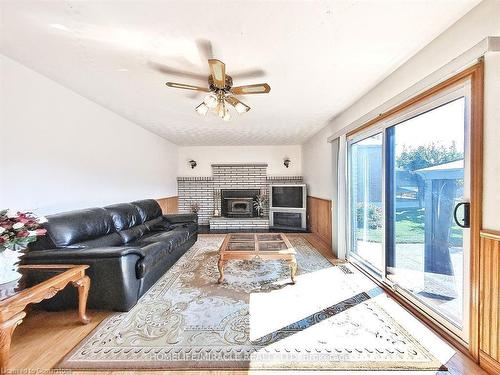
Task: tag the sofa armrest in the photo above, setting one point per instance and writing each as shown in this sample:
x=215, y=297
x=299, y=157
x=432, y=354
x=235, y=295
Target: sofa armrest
x=116, y=275
x=97, y=252
x=181, y=218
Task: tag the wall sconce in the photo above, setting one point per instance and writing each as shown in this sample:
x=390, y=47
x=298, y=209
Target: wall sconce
x=192, y=163
x=286, y=162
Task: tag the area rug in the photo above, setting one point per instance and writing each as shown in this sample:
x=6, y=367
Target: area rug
x=255, y=319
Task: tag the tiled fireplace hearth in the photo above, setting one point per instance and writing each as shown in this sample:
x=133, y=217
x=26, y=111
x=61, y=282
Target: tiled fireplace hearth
x=246, y=180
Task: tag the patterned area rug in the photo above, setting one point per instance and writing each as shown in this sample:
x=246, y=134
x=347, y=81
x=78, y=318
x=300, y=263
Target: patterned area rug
x=255, y=319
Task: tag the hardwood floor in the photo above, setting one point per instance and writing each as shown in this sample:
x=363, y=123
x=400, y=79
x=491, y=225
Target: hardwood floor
x=44, y=338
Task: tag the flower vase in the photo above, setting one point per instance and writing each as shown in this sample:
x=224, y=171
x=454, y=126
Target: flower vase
x=9, y=263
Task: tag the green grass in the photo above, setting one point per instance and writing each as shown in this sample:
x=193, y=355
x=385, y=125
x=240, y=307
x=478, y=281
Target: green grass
x=410, y=228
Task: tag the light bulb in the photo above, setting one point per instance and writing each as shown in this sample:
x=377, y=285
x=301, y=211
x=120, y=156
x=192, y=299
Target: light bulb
x=221, y=109
x=202, y=109
x=211, y=101
x=241, y=108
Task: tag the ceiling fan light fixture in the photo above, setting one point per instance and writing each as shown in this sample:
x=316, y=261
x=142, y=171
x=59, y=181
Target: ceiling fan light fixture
x=202, y=109
x=211, y=101
x=238, y=106
x=241, y=108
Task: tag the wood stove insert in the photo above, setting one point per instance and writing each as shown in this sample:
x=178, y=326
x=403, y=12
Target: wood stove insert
x=238, y=202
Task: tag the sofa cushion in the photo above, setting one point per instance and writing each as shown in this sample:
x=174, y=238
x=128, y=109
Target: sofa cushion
x=128, y=221
x=189, y=228
x=113, y=239
x=125, y=215
x=133, y=233
x=148, y=208
x=155, y=258
x=68, y=228
x=154, y=252
x=181, y=218
x=170, y=239
x=157, y=245
x=158, y=224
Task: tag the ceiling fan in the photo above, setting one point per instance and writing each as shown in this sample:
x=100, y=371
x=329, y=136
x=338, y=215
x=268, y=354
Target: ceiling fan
x=221, y=92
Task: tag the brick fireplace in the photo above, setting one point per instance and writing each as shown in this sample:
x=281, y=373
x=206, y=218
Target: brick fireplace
x=207, y=192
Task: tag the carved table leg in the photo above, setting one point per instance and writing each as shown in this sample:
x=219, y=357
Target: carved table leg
x=6, y=331
x=293, y=269
x=221, y=270
x=83, y=286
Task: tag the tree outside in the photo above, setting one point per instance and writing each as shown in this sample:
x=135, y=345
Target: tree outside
x=410, y=220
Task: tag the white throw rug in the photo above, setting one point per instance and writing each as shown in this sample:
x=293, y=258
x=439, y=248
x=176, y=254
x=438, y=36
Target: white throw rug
x=255, y=319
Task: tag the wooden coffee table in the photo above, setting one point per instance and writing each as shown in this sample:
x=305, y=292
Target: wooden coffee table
x=265, y=246
x=38, y=282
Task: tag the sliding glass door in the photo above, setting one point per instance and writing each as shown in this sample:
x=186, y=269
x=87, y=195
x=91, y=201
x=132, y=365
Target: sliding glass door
x=425, y=244
x=366, y=213
x=409, y=194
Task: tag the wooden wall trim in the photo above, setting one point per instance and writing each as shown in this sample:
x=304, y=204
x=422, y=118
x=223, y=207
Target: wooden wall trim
x=476, y=75
x=491, y=234
x=320, y=199
x=319, y=218
x=489, y=301
x=169, y=205
x=488, y=363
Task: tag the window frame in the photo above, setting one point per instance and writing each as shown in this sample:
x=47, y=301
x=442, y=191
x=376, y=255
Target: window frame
x=473, y=76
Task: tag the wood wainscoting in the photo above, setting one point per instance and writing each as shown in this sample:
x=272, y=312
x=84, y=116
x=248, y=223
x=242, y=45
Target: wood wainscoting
x=319, y=218
x=489, y=301
x=169, y=205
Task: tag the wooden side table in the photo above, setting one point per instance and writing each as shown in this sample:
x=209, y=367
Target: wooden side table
x=38, y=282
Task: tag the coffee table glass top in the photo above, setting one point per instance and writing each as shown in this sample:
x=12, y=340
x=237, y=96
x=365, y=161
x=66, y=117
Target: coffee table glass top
x=241, y=237
x=256, y=242
x=272, y=246
x=30, y=276
x=241, y=246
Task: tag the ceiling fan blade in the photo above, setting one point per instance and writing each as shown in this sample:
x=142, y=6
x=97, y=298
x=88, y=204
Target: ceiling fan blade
x=177, y=72
x=187, y=87
x=205, y=49
x=238, y=105
x=248, y=73
x=259, y=88
x=218, y=71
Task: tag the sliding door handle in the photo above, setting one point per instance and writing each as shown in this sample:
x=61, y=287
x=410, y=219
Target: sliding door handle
x=466, y=220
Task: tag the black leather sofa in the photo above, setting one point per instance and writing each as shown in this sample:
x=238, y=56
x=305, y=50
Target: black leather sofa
x=128, y=247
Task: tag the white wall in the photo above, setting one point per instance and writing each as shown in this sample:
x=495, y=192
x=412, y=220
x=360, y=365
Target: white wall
x=479, y=23
x=491, y=142
x=205, y=156
x=318, y=167
x=60, y=151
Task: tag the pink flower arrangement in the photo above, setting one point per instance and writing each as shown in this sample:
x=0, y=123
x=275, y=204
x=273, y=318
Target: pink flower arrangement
x=18, y=229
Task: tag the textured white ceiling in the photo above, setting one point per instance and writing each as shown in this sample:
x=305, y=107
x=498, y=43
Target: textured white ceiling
x=318, y=56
